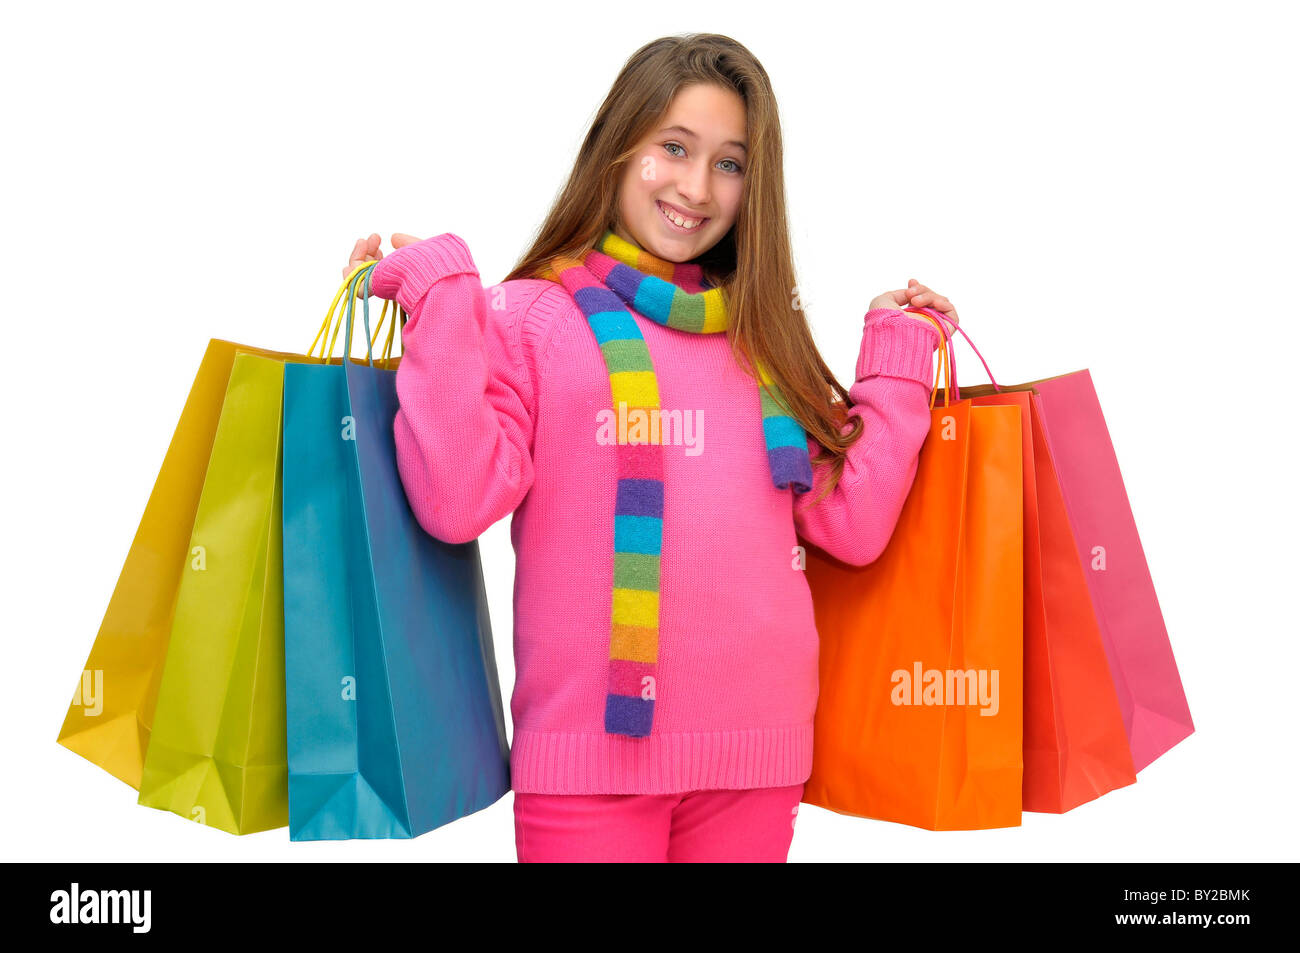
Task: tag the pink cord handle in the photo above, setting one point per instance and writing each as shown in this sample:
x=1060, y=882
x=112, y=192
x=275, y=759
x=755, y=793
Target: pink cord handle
x=944, y=321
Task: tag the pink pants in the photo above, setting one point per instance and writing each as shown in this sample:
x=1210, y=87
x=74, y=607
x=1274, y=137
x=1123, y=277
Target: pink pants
x=754, y=825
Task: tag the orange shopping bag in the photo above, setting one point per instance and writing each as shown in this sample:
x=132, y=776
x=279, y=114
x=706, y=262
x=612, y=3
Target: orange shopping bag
x=918, y=718
x=1075, y=745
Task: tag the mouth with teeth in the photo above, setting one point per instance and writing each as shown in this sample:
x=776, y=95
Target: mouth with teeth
x=676, y=220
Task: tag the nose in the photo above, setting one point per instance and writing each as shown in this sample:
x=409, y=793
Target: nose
x=694, y=185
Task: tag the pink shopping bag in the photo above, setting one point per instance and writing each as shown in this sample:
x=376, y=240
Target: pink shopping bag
x=1141, y=660
x=1142, y=665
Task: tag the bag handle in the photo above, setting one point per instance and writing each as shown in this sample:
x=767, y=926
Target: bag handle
x=943, y=367
x=349, y=284
x=398, y=312
x=329, y=319
x=349, y=287
x=951, y=362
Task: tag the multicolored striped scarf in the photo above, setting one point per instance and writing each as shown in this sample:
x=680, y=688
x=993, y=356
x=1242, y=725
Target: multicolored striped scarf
x=609, y=283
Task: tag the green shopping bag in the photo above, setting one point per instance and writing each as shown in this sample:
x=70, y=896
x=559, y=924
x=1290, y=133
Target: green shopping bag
x=217, y=750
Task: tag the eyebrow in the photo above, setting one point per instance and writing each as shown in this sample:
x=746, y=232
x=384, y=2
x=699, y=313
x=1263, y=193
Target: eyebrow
x=729, y=142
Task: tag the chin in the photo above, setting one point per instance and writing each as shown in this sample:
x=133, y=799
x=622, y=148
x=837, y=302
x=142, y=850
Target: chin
x=677, y=248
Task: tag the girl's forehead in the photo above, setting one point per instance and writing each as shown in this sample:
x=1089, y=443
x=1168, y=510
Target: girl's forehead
x=707, y=113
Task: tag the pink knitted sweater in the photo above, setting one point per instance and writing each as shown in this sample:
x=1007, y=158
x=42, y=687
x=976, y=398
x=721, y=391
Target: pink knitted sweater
x=499, y=391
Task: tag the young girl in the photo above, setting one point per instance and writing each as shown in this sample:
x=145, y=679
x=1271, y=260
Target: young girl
x=642, y=391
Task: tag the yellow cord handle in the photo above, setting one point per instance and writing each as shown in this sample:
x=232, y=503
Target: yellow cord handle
x=329, y=315
x=388, y=343
x=330, y=319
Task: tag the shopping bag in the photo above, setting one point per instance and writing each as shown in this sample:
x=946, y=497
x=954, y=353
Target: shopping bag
x=112, y=709
x=918, y=718
x=1075, y=747
x=216, y=753
x=110, y=719
x=1136, y=643
x=395, y=722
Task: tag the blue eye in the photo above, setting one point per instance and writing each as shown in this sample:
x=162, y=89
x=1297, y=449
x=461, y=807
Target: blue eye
x=670, y=145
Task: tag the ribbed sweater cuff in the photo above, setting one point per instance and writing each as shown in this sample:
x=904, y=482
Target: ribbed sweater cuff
x=407, y=273
x=897, y=345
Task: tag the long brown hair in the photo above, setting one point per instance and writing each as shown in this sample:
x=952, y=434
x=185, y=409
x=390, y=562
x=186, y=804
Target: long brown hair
x=752, y=262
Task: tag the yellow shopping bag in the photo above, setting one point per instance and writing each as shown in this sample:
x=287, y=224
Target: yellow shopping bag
x=112, y=710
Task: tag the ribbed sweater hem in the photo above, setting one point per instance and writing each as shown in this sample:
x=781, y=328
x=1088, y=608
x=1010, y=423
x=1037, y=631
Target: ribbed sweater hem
x=594, y=762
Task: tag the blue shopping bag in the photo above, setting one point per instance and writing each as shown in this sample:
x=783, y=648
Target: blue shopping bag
x=394, y=717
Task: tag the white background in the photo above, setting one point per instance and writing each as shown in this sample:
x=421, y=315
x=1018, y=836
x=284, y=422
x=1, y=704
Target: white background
x=1100, y=185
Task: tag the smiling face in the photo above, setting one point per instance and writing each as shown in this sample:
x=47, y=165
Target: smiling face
x=690, y=170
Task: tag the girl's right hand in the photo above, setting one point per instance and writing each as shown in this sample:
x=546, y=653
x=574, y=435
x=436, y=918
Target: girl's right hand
x=367, y=249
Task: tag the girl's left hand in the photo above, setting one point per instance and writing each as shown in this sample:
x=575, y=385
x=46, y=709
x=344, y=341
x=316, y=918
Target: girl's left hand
x=917, y=295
